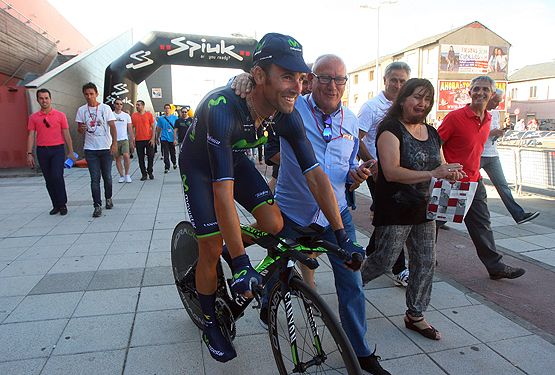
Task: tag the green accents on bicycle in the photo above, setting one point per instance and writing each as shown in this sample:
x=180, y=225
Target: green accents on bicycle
x=208, y=234
x=294, y=354
x=265, y=263
x=252, y=232
x=318, y=345
x=217, y=101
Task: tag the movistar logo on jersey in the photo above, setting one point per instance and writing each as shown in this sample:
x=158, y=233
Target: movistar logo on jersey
x=217, y=101
x=185, y=186
x=243, y=144
x=259, y=46
x=239, y=274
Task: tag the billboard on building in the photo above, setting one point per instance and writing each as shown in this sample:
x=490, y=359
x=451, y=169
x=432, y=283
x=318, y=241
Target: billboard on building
x=498, y=59
x=454, y=94
x=464, y=59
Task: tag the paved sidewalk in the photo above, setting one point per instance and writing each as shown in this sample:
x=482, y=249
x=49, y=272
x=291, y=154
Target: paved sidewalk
x=95, y=296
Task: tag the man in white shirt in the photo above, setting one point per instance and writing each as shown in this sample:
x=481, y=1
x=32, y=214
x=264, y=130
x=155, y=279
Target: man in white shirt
x=490, y=163
x=97, y=122
x=369, y=117
x=126, y=143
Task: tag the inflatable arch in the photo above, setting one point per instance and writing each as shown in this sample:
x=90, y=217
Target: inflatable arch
x=160, y=48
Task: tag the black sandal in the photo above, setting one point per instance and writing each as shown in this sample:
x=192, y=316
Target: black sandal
x=430, y=332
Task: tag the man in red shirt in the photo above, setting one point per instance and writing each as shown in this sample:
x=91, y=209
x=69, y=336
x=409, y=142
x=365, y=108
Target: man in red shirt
x=464, y=132
x=52, y=132
x=143, y=123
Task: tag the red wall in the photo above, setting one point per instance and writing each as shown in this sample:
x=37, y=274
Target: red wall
x=13, y=126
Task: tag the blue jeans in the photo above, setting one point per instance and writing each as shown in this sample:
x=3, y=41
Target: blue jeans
x=493, y=168
x=348, y=284
x=100, y=163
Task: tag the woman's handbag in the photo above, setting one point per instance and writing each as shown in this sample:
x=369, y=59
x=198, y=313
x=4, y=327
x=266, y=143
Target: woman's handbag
x=450, y=201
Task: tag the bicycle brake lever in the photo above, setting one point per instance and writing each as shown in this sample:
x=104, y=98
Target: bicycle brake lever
x=257, y=291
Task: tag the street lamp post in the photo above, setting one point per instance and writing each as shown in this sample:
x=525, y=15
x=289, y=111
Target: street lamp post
x=377, y=8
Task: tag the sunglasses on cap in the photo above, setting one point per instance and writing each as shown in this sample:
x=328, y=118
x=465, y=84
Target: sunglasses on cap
x=326, y=133
x=45, y=123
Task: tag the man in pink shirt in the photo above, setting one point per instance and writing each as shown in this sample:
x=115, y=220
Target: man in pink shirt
x=52, y=133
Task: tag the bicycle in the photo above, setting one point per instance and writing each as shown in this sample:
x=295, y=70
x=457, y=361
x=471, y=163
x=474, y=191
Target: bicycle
x=291, y=304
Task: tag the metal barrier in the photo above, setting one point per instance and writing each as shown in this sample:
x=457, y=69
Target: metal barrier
x=527, y=162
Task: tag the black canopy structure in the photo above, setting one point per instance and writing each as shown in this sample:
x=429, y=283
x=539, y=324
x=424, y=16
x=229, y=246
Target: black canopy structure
x=161, y=48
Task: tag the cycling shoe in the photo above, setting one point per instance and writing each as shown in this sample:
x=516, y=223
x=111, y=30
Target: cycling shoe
x=219, y=346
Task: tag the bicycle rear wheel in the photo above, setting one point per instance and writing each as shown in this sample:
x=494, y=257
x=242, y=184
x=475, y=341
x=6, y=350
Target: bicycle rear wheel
x=319, y=343
x=184, y=253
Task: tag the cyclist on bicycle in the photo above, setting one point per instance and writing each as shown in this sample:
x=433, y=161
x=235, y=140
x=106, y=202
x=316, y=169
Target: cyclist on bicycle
x=215, y=171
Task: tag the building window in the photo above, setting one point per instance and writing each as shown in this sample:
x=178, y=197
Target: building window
x=533, y=90
x=371, y=75
x=356, y=97
x=356, y=79
x=514, y=93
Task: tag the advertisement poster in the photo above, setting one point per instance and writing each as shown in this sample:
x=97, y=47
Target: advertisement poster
x=464, y=59
x=156, y=93
x=498, y=59
x=454, y=94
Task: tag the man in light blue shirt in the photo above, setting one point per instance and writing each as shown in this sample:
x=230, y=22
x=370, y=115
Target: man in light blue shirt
x=333, y=131
x=167, y=133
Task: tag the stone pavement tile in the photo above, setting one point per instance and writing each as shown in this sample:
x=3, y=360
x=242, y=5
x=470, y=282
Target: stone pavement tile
x=11, y=253
x=445, y=295
x=106, y=237
x=158, y=276
x=25, y=367
x=133, y=235
x=174, y=359
x=7, y=305
x=501, y=221
x=513, y=231
x=83, y=248
x=538, y=229
x=107, y=302
x=45, y=306
x=325, y=282
x=551, y=235
x=98, y=333
x=100, y=226
x=65, y=239
x=63, y=282
x=249, y=324
x=77, y=264
x=384, y=281
x=32, y=231
x=159, y=298
x=390, y=341
x=163, y=327
x=516, y=244
x=531, y=354
x=27, y=241
x=452, y=335
x=28, y=267
x=168, y=220
x=256, y=253
x=388, y=301
x=159, y=259
x=484, y=323
x=131, y=246
x=160, y=244
x=247, y=347
x=419, y=364
x=477, y=359
x=331, y=301
x=44, y=251
x=540, y=240
x=74, y=228
x=123, y=261
x=112, y=279
x=18, y=286
x=29, y=339
x=137, y=224
x=546, y=256
x=97, y=363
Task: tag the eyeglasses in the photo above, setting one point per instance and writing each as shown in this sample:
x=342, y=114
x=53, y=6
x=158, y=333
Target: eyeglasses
x=45, y=123
x=326, y=133
x=339, y=81
x=118, y=103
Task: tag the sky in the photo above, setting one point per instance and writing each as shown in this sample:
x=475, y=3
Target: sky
x=323, y=26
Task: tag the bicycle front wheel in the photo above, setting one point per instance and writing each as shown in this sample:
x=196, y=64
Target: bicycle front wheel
x=305, y=335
